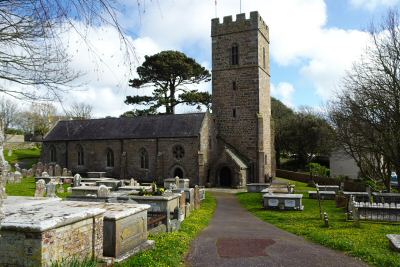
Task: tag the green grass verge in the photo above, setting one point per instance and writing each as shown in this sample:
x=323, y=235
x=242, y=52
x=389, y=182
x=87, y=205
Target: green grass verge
x=171, y=248
x=27, y=188
x=367, y=242
x=29, y=156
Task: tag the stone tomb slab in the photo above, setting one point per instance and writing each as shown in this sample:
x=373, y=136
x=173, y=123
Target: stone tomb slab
x=46, y=231
x=112, y=183
x=257, y=187
x=334, y=188
x=394, y=241
x=283, y=201
x=183, y=183
x=85, y=190
x=322, y=194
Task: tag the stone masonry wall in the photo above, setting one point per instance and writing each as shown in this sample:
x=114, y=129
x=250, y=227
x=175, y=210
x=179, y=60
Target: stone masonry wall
x=75, y=240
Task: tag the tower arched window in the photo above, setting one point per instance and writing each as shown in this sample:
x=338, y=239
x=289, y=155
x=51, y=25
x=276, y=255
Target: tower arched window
x=235, y=54
x=110, y=158
x=53, y=154
x=144, y=159
x=80, y=154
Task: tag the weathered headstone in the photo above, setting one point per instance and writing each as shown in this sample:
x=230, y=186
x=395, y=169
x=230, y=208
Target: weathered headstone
x=10, y=177
x=30, y=172
x=196, y=197
x=103, y=191
x=394, y=241
x=39, y=169
x=45, y=174
x=177, y=181
x=51, y=170
x=65, y=172
x=17, y=177
x=24, y=172
x=17, y=168
x=69, y=173
x=51, y=189
x=33, y=169
x=40, y=188
x=46, y=167
x=77, y=180
x=57, y=170
x=10, y=152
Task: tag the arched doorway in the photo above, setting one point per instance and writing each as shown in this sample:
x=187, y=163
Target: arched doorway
x=225, y=177
x=178, y=172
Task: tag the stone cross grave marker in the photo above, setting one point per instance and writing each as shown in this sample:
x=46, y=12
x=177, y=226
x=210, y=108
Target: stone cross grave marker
x=51, y=189
x=103, y=191
x=77, y=180
x=40, y=188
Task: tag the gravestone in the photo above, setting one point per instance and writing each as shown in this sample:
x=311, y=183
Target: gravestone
x=17, y=168
x=33, y=169
x=394, y=241
x=182, y=206
x=77, y=180
x=30, y=172
x=57, y=170
x=51, y=170
x=10, y=152
x=45, y=174
x=69, y=173
x=177, y=181
x=40, y=188
x=46, y=167
x=51, y=189
x=196, y=197
x=39, y=169
x=10, y=177
x=24, y=172
x=64, y=172
x=103, y=191
x=17, y=177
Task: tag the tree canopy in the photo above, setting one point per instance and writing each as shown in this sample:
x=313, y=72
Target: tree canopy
x=366, y=113
x=171, y=74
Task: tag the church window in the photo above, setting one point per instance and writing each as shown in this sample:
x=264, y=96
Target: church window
x=53, y=154
x=234, y=112
x=264, y=59
x=235, y=54
x=144, y=159
x=79, y=150
x=178, y=152
x=234, y=86
x=110, y=158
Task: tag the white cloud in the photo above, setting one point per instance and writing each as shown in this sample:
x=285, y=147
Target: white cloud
x=284, y=92
x=373, y=4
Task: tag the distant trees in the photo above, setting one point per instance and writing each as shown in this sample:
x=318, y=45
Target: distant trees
x=303, y=134
x=80, y=111
x=366, y=113
x=169, y=74
x=38, y=119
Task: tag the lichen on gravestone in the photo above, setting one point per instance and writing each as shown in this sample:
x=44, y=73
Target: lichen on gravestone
x=40, y=188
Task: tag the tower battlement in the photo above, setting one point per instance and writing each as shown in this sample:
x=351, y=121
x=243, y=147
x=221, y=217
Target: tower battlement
x=240, y=24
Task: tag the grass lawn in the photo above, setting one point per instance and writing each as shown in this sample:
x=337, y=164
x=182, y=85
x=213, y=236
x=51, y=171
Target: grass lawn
x=367, y=242
x=27, y=188
x=28, y=156
x=171, y=248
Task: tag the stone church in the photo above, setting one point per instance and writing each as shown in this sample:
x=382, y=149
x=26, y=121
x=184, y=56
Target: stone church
x=229, y=147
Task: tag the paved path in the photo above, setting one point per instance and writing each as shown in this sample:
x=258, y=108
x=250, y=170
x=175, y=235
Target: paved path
x=237, y=238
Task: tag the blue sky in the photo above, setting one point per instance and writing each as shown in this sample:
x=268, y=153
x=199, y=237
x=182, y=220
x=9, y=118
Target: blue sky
x=313, y=43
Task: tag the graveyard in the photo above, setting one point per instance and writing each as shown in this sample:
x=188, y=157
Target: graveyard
x=365, y=239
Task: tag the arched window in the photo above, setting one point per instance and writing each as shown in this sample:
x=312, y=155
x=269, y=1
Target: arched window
x=53, y=154
x=178, y=152
x=79, y=151
x=144, y=159
x=110, y=158
x=235, y=54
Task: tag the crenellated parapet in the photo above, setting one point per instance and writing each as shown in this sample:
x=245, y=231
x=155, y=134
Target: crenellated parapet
x=228, y=26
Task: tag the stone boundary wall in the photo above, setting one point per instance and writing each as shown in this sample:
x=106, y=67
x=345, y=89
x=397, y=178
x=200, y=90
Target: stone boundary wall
x=305, y=177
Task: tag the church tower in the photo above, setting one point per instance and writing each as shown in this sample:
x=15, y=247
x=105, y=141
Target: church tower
x=241, y=90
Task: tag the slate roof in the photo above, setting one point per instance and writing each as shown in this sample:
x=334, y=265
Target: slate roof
x=157, y=126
